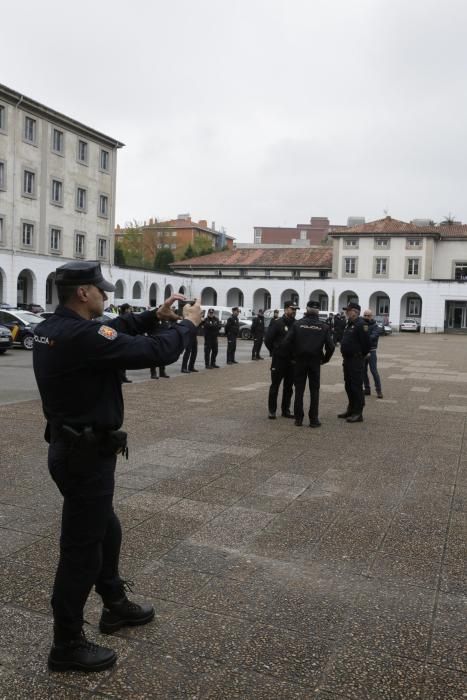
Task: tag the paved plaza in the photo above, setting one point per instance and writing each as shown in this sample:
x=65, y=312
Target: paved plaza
x=283, y=562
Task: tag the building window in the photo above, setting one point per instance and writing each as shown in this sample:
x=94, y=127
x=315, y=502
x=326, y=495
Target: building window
x=30, y=130
x=267, y=273
x=413, y=267
x=81, y=197
x=243, y=272
x=2, y=118
x=104, y=160
x=295, y=274
x=2, y=175
x=29, y=183
x=101, y=248
x=58, y=141
x=381, y=266
x=350, y=242
x=350, y=266
x=414, y=243
x=55, y=239
x=103, y=205
x=382, y=243
x=80, y=244
x=173, y=246
x=323, y=273
x=460, y=271
x=414, y=307
x=57, y=192
x=258, y=235
x=2, y=228
x=27, y=234
x=382, y=306
x=82, y=152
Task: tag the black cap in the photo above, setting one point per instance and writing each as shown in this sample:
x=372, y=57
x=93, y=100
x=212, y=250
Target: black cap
x=235, y=308
x=290, y=305
x=73, y=274
x=313, y=305
x=352, y=305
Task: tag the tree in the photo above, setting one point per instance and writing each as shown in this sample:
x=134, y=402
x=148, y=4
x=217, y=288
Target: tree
x=119, y=255
x=163, y=259
x=189, y=252
x=449, y=220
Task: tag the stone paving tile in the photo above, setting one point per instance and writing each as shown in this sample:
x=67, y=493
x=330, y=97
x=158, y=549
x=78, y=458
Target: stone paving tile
x=219, y=496
x=234, y=528
x=456, y=548
x=442, y=684
x=267, y=504
x=15, y=686
x=359, y=675
x=449, y=644
x=407, y=535
x=167, y=580
x=454, y=577
x=405, y=570
x=239, y=685
x=13, y=541
x=204, y=558
x=43, y=553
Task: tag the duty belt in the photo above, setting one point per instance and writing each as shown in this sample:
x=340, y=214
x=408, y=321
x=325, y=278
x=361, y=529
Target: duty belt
x=114, y=441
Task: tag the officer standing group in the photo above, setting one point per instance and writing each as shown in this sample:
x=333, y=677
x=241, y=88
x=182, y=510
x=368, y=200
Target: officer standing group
x=257, y=331
x=232, y=329
x=77, y=363
x=211, y=326
x=306, y=341
x=355, y=346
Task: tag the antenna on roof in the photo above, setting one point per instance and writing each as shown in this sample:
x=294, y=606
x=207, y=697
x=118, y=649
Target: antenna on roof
x=386, y=212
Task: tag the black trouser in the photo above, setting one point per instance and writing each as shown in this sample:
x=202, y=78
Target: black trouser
x=90, y=536
x=353, y=379
x=189, y=356
x=231, y=347
x=307, y=369
x=257, y=344
x=211, y=348
x=281, y=369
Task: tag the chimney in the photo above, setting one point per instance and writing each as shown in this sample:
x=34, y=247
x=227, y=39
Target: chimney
x=213, y=225
x=151, y=222
x=203, y=223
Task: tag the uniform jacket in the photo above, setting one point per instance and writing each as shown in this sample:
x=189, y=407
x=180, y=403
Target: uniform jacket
x=275, y=336
x=375, y=331
x=77, y=363
x=257, y=327
x=232, y=327
x=211, y=327
x=307, y=339
x=356, y=339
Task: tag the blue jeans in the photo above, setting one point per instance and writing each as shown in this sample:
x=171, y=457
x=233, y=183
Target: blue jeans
x=372, y=363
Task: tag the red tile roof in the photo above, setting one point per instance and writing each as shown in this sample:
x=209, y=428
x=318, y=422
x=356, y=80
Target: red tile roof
x=317, y=257
x=394, y=227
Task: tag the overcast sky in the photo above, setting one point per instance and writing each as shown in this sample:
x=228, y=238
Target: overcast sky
x=259, y=112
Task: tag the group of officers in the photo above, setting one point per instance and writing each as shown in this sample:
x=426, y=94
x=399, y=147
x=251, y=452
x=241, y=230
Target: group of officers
x=78, y=364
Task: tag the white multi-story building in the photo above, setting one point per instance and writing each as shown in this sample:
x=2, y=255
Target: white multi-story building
x=57, y=196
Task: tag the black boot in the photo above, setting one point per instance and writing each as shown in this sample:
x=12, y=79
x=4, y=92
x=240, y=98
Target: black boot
x=124, y=612
x=79, y=655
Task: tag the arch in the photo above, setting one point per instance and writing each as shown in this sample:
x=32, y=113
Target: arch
x=345, y=298
x=2, y=285
x=290, y=295
x=137, y=292
x=120, y=290
x=51, y=294
x=235, y=297
x=380, y=304
x=181, y=290
x=261, y=299
x=209, y=297
x=153, y=294
x=321, y=297
x=26, y=287
x=411, y=306
x=168, y=291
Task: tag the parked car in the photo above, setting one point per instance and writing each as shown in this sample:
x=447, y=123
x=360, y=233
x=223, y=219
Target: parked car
x=410, y=324
x=385, y=326
x=6, y=339
x=21, y=325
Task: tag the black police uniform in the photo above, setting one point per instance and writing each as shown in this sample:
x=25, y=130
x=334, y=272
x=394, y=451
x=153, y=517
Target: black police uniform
x=232, y=328
x=77, y=364
x=211, y=326
x=306, y=339
x=189, y=356
x=281, y=365
x=355, y=345
x=257, y=330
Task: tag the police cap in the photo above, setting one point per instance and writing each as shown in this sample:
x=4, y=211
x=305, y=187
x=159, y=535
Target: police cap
x=313, y=305
x=73, y=274
x=290, y=305
x=352, y=305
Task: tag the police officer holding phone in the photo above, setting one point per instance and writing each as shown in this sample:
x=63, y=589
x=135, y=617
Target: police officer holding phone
x=77, y=363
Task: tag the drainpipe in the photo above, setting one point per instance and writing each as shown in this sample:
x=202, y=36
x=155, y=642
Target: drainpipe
x=13, y=212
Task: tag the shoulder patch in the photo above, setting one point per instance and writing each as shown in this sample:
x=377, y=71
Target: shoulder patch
x=107, y=332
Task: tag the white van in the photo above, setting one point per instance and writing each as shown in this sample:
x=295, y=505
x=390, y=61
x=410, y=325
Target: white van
x=225, y=312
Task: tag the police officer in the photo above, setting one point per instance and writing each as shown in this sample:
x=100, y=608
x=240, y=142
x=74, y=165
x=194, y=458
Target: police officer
x=355, y=346
x=257, y=330
x=306, y=340
x=77, y=362
x=211, y=326
x=232, y=328
x=281, y=364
